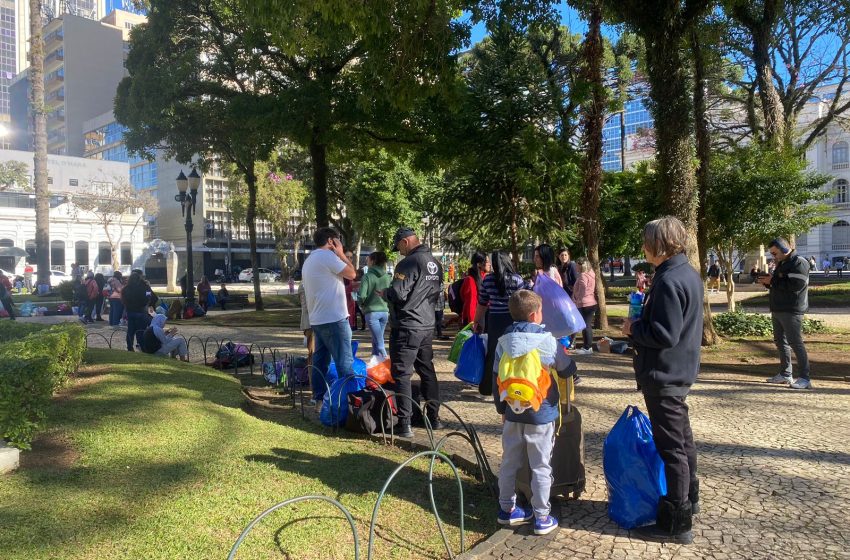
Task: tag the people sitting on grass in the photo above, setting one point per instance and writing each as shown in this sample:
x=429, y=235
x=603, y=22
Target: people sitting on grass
x=164, y=342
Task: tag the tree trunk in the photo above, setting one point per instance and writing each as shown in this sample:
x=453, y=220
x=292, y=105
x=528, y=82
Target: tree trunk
x=357, y=249
x=39, y=116
x=703, y=141
x=726, y=264
x=514, y=237
x=771, y=104
x=251, y=181
x=672, y=109
x=593, y=120
x=318, y=158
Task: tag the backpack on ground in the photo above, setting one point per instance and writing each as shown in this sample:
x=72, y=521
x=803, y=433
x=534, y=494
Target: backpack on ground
x=523, y=381
x=297, y=371
x=274, y=372
x=455, y=301
x=366, y=411
x=232, y=356
x=150, y=343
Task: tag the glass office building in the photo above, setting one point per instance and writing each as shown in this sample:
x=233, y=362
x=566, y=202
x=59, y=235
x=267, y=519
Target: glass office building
x=637, y=126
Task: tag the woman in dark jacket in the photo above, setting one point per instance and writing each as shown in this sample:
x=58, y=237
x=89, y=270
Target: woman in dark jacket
x=98, y=304
x=492, y=310
x=137, y=296
x=666, y=341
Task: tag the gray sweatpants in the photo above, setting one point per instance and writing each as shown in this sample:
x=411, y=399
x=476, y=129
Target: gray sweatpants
x=534, y=442
x=175, y=347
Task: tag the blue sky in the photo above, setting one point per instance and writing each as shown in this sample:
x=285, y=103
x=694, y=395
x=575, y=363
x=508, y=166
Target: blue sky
x=569, y=18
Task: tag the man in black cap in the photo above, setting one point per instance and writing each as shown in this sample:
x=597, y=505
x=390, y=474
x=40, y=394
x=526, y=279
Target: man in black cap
x=414, y=290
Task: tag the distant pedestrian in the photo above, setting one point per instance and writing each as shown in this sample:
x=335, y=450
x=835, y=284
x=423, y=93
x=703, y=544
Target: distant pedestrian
x=411, y=296
x=204, y=290
x=223, y=296
x=789, y=300
x=839, y=267
x=136, y=297
x=322, y=275
x=826, y=266
x=371, y=296
x=714, y=277
x=116, y=306
x=91, y=294
x=100, y=279
x=76, y=273
x=28, y=272
x=6, y=295
x=569, y=270
x=584, y=296
x=478, y=269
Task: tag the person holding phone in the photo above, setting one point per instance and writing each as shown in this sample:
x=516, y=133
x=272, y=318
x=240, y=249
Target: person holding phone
x=322, y=275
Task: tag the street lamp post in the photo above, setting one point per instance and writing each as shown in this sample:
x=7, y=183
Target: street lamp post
x=187, y=202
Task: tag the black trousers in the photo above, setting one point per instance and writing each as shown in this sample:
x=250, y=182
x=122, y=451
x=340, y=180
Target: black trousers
x=414, y=351
x=671, y=429
x=497, y=324
x=587, y=314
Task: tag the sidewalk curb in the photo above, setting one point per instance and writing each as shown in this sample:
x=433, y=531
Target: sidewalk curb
x=487, y=545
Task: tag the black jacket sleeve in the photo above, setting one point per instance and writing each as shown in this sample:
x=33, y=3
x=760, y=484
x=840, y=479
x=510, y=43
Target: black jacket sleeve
x=404, y=280
x=661, y=324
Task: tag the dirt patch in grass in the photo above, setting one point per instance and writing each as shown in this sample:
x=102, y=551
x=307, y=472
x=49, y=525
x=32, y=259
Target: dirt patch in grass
x=51, y=451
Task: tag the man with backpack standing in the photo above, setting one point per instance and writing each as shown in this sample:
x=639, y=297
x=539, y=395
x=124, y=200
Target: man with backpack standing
x=412, y=296
x=322, y=276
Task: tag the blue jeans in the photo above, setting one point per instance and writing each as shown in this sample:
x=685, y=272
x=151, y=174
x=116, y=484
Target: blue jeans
x=136, y=325
x=116, y=311
x=333, y=340
x=377, y=322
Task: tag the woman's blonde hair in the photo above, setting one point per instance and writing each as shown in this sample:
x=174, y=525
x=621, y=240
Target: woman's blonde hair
x=665, y=236
x=583, y=264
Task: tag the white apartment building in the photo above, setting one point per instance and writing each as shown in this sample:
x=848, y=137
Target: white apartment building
x=75, y=236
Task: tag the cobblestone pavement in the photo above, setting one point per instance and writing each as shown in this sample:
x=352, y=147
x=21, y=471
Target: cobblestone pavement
x=774, y=463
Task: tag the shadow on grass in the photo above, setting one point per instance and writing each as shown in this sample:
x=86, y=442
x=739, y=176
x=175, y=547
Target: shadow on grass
x=361, y=475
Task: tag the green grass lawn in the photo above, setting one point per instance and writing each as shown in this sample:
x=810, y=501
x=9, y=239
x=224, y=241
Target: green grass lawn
x=828, y=295
x=150, y=458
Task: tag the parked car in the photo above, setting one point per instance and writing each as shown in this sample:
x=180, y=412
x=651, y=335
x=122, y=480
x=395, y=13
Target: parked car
x=247, y=275
x=57, y=277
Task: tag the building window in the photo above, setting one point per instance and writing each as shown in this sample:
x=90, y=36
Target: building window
x=74, y=182
x=841, y=236
x=840, y=196
x=840, y=155
x=50, y=180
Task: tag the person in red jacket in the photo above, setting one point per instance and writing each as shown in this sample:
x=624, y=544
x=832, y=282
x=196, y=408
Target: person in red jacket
x=469, y=289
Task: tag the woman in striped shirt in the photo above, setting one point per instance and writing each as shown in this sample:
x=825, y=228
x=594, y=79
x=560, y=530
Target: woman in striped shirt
x=492, y=312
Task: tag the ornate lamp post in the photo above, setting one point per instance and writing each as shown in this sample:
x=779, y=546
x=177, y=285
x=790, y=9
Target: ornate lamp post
x=187, y=202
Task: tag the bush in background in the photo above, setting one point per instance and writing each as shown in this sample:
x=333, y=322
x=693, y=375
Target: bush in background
x=740, y=323
x=36, y=362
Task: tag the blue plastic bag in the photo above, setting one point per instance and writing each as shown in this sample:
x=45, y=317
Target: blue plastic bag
x=560, y=315
x=470, y=364
x=634, y=471
x=335, y=403
x=211, y=302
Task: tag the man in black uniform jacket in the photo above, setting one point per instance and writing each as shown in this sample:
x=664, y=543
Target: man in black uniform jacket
x=666, y=341
x=414, y=290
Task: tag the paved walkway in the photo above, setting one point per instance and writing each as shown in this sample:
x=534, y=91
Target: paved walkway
x=774, y=463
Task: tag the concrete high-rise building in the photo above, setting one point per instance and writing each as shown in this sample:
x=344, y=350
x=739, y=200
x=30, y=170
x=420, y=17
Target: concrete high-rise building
x=83, y=64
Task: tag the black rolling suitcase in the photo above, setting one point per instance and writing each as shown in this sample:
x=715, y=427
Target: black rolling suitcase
x=568, y=474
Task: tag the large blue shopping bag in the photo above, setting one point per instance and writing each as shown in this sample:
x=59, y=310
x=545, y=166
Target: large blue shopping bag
x=335, y=403
x=560, y=314
x=634, y=471
x=470, y=364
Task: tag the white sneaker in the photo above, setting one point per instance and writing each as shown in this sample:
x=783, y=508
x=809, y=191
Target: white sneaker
x=801, y=383
x=780, y=379
x=583, y=351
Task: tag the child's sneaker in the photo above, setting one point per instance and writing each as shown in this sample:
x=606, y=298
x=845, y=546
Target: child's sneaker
x=517, y=516
x=545, y=525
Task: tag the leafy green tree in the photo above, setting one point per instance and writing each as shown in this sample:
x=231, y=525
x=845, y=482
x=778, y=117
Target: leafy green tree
x=281, y=200
x=348, y=72
x=511, y=179
x=790, y=50
x=386, y=193
x=14, y=174
x=757, y=193
x=664, y=26
x=193, y=92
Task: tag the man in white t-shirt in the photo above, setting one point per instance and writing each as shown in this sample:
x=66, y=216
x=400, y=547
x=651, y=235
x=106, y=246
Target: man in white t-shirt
x=322, y=276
